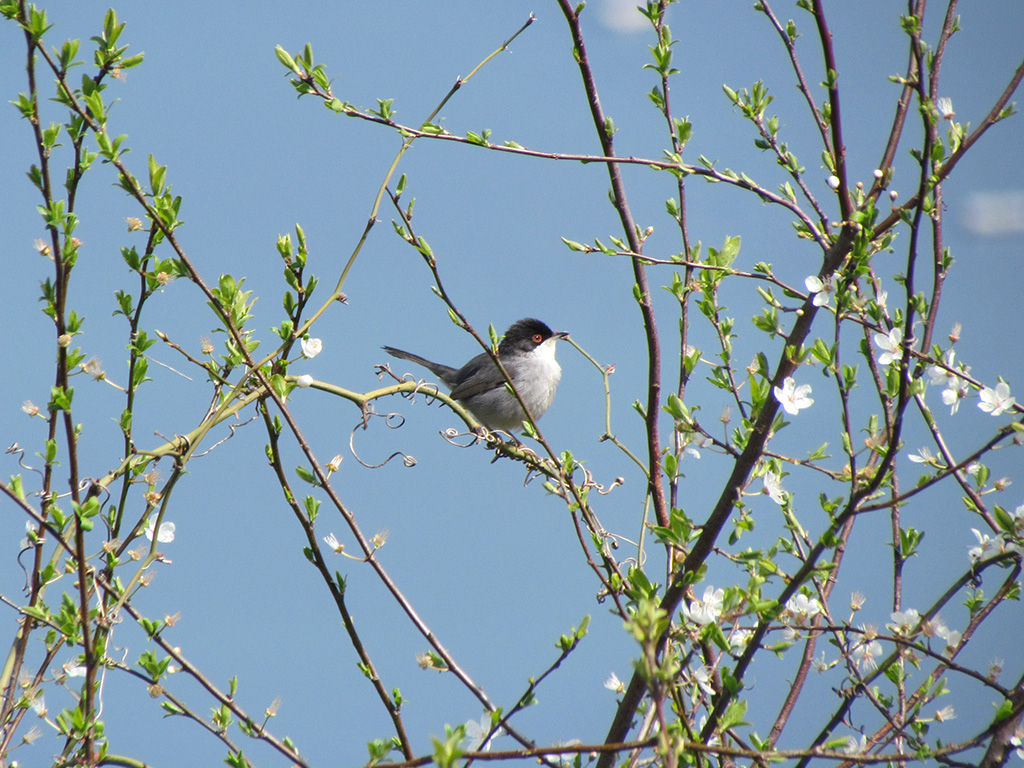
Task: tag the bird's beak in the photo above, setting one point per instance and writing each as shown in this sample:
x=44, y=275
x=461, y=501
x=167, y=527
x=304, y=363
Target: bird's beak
x=561, y=334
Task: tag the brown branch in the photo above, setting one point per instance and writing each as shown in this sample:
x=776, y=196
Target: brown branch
x=604, y=132
x=835, y=117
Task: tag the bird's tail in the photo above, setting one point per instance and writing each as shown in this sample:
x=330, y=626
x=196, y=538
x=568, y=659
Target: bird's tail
x=445, y=373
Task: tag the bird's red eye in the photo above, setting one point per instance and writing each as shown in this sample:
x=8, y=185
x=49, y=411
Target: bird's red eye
x=537, y=338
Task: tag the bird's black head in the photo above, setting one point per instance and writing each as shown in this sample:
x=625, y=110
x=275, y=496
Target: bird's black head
x=526, y=335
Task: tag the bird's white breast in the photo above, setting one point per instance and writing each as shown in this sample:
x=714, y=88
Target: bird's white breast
x=539, y=389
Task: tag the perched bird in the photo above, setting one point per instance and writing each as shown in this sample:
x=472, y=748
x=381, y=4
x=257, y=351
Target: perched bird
x=528, y=354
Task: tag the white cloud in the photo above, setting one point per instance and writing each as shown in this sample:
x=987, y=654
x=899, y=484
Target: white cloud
x=991, y=214
x=622, y=16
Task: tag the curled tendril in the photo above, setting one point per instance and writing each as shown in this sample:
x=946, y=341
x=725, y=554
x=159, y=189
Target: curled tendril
x=588, y=479
x=408, y=460
x=614, y=484
x=93, y=490
x=232, y=427
x=391, y=421
x=429, y=390
x=422, y=385
x=20, y=453
x=452, y=435
x=611, y=540
x=182, y=442
x=532, y=474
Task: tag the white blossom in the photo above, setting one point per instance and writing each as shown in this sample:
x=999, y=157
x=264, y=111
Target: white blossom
x=692, y=448
x=997, y=400
x=889, y=343
x=867, y=652
x=36, y=700
x=773, y=487
x=952, y=641
x=955, y=391
x=803, y=607
x=614, y=684
x=950, y=636
x=32, y=535
x=333, y=544
x=708, y=610
x=903, y=622
x=995, y=669
x=985, y=545
x=923, y=456
x=939, y=375
x=1018, y=520
x=956, y=387
x=476, y=733
x=165, y=534
x=702, y=677
x=793, y=398
x=854, y=747
x=1017, y=741
x=739, y=638
x=312, y=347
x=820, y=289
x=74, y=668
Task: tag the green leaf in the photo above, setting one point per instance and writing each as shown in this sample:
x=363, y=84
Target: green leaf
x=684, y=130
x=157, y=175
x=910, y=540
x=306, y=475
x=448, y=751
x=286, y=58
x=823, y=352
x=733, y=715
x=1003, y=519
x=131, y=61
x=671, y=466
x=171, y=709
x=818, y=454
x=60, y=399
x=676, y=408
x=640, y=585
x=279, y=385
x=729, y=251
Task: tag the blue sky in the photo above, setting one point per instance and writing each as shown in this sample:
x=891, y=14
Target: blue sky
x=492, y=566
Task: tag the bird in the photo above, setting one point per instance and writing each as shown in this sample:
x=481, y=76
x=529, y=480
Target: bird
x=528, y=354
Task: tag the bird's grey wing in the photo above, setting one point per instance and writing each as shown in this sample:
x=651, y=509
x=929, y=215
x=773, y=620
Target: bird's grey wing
x=477, y=376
